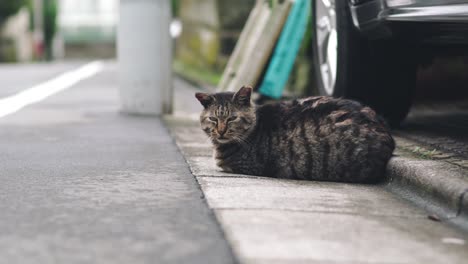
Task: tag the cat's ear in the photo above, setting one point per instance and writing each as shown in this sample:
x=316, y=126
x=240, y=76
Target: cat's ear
x=242, y=97
x=205, y=99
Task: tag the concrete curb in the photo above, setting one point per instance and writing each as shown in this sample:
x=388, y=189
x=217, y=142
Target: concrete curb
x=437, y=186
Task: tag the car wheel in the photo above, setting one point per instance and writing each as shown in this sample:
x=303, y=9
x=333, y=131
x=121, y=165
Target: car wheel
x=379, y=73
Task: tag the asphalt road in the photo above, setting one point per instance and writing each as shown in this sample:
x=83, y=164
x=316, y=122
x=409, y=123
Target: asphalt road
x=17, y=77
x=82, y=183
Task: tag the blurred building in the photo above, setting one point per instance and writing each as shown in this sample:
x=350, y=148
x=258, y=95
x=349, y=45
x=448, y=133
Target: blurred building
x=88, y=27
x=16, y=40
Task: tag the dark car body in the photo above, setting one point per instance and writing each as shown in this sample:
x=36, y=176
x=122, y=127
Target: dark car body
x=437, y=20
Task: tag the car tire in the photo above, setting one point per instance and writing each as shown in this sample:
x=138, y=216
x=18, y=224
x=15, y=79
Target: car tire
x=378, y=73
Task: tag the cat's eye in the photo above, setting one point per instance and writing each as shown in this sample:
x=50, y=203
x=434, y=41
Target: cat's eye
x=212, y=118
x=232, y=118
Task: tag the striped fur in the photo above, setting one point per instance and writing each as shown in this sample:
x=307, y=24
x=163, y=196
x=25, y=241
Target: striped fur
x=317, y=138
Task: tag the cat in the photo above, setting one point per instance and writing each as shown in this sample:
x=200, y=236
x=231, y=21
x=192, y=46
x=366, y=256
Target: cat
x=316, y=138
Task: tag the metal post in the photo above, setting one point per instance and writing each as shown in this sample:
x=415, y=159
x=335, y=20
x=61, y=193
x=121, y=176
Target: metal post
x=144, y=50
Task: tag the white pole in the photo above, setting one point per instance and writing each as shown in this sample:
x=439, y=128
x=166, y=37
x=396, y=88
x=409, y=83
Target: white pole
x=144, y=50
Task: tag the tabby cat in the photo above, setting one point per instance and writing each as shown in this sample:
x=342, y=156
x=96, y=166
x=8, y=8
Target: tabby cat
x=316, y=138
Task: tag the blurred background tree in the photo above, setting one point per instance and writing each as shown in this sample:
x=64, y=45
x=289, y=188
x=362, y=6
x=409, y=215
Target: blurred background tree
x=50, y=26
x=10, y=7
x=207, y=40
x=20, y=38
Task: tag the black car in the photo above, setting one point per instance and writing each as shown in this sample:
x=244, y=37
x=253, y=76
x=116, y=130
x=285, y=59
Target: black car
x=369, y=50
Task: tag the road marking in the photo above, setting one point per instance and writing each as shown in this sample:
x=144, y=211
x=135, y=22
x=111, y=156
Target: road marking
x=14, y=103
x=453, y=240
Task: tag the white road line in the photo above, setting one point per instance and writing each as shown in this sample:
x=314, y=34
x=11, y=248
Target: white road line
x=12, y=104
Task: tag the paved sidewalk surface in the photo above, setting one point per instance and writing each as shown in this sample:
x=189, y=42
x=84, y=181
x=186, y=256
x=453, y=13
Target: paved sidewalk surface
x=81, y=183
x=284, y=221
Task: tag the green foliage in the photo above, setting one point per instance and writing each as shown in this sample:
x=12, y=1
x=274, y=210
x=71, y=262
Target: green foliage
x=424, y=153
x=7, y=50
x=50, y=25
x=175, y=7
x=196, y=74
x=10, y=7
x=30, y=6
x=50, y=18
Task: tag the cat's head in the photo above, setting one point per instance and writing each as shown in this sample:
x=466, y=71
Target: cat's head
x=227, y=117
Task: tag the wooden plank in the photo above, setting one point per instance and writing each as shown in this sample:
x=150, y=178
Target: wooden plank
x=255, y=23
x=257, y=61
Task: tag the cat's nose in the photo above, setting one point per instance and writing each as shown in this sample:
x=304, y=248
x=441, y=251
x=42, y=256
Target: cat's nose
x=222, y=128
x=222, y=132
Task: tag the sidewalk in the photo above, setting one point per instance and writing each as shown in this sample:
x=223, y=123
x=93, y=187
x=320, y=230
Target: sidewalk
x=81, y=183
x=284, y=221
